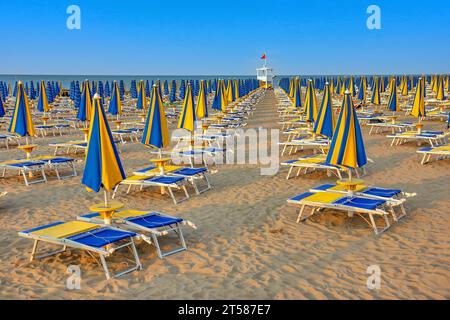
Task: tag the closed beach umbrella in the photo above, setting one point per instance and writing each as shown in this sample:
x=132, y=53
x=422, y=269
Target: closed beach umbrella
x=42, y=102
x=440, y=89
x=362, y=93
x=230, y=97
x=325, y=122
x=187, y=116
x=84, y=110
x=2, y=108
x=297, y=94
x=202, y=102
x=418, y=109
x=103, y=168
x=310, y=103
x=142, y=99
x=115, y=105
x=219, y=102
x=393, y=104
x=376, y=99
x=21, y=121
x=347, y=147
x=156, y=132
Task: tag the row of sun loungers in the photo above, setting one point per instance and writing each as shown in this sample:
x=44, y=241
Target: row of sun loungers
x=366, y=202
x=90, y=235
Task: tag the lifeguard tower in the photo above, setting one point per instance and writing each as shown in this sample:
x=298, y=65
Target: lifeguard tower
x=265, y=75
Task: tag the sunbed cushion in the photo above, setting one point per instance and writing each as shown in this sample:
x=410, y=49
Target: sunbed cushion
x=101, y=237
x=301, y=196
x=166, y=179
x=363, y=203
x=190, y=171
x=146, y=169
x=382, y=192
x=154, y=220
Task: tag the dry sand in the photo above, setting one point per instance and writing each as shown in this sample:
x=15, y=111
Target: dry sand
x=247, y=245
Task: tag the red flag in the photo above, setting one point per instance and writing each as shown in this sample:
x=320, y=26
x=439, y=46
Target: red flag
x=263, y=57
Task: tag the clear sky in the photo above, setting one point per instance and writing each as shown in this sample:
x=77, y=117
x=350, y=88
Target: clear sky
x=197, y=37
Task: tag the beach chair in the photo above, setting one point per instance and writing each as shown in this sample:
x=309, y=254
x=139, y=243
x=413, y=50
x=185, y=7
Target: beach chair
x=360, y=206
x=382, y=126
x=32, y=171
x=302, y=142
x=89, y=237
x=57, y=163
x=150, y=226
x=394, y=197
x=434, y=138
x=440, y=152
x=164, y=182
x=7, y=138
x=72, y=147
x=191, y=174
x=314, y=162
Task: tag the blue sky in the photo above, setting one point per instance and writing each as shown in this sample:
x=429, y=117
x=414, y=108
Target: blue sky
x=146, y=37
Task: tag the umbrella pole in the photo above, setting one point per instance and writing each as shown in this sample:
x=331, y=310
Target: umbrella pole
x=105, y=194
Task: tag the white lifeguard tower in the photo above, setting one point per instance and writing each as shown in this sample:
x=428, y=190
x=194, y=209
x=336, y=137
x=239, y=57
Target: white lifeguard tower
x=265, y=75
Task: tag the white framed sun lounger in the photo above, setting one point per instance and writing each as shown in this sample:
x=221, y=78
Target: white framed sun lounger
x=440, y=152
x=8, y=138
x=150, y=225
x=89, y=237
x=393, y=197
x=314, y=162
x=362, y=207
x=168, y=183
x=303, y=142
x=190, y=174
x=32, y=171
x=380, y=127
x=434, y=138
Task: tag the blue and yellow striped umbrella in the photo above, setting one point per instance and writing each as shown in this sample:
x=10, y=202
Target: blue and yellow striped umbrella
x=440, y=89
x=418, y=109
x=84, y=110
x=103, y=167
x=325, y=122
x=230, y=96
x=42, y=102
x=219, y=102
x=202, y=102
x=142, y=99
x=21, y=121
x=376, y=98
x=310, y=103
x=187, y=116
x=156, y=132
x=362, y=93
x=347, y=147
x=2, y=108
x=393, y=104
x=297, y=94
x=115, y=104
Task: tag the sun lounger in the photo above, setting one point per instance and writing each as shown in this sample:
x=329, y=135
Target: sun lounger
x=31, y=170
x=350, y=204
x=90, y=237
x=303, y=142
x=314, y=162
x=440, y=152
x=394, y=197
x=434, y=138
x=164, y=182
x=191, y=174
x=379, y=127
x=72, y=147
x=8, y=138
x=153, y=224
x=55, y=163
x=54, y=129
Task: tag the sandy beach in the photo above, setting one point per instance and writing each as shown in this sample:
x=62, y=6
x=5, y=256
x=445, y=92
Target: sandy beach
x=247, y=244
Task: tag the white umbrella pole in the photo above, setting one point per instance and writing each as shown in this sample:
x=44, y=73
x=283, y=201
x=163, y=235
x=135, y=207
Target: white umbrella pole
x=105, y=194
